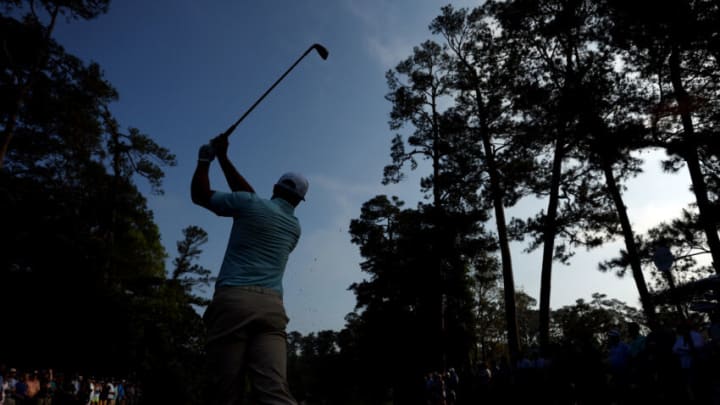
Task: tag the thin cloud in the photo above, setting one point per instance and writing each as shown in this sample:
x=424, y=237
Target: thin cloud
x=383, y=22
x=349, y=195
x=393, y=30
x=389, y=52
x=344, y=186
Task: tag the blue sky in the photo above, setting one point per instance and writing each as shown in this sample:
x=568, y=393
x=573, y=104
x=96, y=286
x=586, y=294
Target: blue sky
x=187, y=69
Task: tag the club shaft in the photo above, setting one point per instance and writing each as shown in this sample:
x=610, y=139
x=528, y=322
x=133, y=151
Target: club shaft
x=252, y=107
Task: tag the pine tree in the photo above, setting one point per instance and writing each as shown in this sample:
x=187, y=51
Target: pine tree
x=672, y=45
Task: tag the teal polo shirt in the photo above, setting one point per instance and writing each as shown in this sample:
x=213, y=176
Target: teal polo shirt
x=263, y=234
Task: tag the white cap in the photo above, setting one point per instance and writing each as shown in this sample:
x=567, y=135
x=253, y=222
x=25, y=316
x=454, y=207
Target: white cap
x=295, y=183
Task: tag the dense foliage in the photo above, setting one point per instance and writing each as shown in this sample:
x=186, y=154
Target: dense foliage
x=554, y=99
x=83, y=281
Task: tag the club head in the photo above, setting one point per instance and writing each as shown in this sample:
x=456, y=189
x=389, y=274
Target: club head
x=321, y=50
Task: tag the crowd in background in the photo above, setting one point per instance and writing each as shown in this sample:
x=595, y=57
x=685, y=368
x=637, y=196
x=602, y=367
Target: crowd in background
x=666, y=366
x=45, y=387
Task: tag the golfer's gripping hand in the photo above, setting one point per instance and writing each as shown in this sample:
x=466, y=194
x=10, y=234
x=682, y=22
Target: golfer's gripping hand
x=206, y=153
x=220, y=145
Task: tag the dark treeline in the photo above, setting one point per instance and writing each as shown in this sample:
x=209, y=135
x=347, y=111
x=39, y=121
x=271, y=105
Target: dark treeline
x=83, y=283
x=346, y=367
x=556, y=100
x=549, y=99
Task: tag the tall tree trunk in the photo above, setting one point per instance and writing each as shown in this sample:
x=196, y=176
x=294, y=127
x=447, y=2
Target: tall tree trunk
x=550, y=225
x=438, y=217
x=708, y=219
x=503, y=240
x=549, y=233
x=630, y=244
x=507, y=269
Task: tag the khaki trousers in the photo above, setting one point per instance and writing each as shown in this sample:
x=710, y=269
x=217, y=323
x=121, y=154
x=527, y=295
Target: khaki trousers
x=246, y=333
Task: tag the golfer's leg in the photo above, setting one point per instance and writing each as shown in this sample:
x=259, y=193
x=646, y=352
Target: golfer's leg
x=226, y=369
x=267, y=365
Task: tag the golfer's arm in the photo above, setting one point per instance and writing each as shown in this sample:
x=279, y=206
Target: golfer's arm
x=200, y=191
x=235, y=180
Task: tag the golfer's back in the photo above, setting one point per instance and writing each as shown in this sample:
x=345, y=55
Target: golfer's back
x=264, y=232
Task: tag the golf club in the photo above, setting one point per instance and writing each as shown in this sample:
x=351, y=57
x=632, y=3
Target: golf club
x=321, y=50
